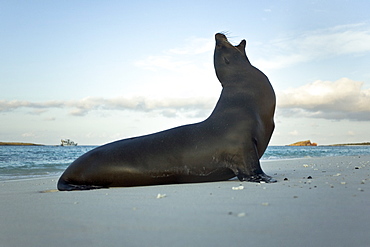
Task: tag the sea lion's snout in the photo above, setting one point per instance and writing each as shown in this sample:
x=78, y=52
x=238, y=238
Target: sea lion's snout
x=220, y=39
x=220, y=36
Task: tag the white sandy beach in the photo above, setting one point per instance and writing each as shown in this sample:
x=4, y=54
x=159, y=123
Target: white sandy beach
x=324, y=202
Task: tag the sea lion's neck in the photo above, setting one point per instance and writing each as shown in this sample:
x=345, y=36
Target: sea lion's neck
x=234, y=101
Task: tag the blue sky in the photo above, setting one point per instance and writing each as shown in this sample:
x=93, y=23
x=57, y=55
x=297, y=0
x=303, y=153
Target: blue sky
x=99, y=71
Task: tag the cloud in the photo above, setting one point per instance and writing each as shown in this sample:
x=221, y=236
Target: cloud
x=184, y=71
x=341, y=99
x=163, y=62
x=168, y=107
x=50, y=119
x=293, y=133
x=184, y=61
x=6, y=105
x=351, y=133
x=320, y=44
x=195, y=46
x=179, y=59
x=38, y=111
x=28, y=135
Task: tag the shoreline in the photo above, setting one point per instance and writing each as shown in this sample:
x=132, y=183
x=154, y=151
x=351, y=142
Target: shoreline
x=316, y=202
x=262, y=161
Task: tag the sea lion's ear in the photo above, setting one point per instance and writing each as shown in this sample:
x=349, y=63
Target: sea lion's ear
x=241, y=46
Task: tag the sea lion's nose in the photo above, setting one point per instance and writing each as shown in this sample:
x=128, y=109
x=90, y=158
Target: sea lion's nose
x=220, y=36
x=220, y=39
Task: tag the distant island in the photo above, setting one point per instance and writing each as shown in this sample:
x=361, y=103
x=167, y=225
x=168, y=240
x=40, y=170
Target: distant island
x=309, y=143
x=352, y=144
x=19, y=144
x=303, y=143
x=64, y=143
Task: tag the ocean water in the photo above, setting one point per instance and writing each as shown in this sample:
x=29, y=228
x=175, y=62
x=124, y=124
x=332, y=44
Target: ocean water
x=20, y=162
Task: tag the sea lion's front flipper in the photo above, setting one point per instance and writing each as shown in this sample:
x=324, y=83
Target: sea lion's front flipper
x=257, y=178
x=251, y=170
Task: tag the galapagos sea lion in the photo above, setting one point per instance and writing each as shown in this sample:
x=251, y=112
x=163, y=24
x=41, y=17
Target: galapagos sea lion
x=228, y=143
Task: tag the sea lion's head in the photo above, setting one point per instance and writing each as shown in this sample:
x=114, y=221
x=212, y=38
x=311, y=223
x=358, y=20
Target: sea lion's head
x=231, y=62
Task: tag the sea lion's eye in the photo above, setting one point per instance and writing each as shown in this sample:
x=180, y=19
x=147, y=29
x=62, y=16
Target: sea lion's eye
x=226, y=60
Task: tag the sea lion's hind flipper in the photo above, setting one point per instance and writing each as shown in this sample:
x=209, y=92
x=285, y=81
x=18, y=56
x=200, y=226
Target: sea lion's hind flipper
x=64, y=186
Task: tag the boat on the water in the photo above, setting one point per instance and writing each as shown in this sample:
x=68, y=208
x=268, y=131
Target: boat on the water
x=67, y=142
